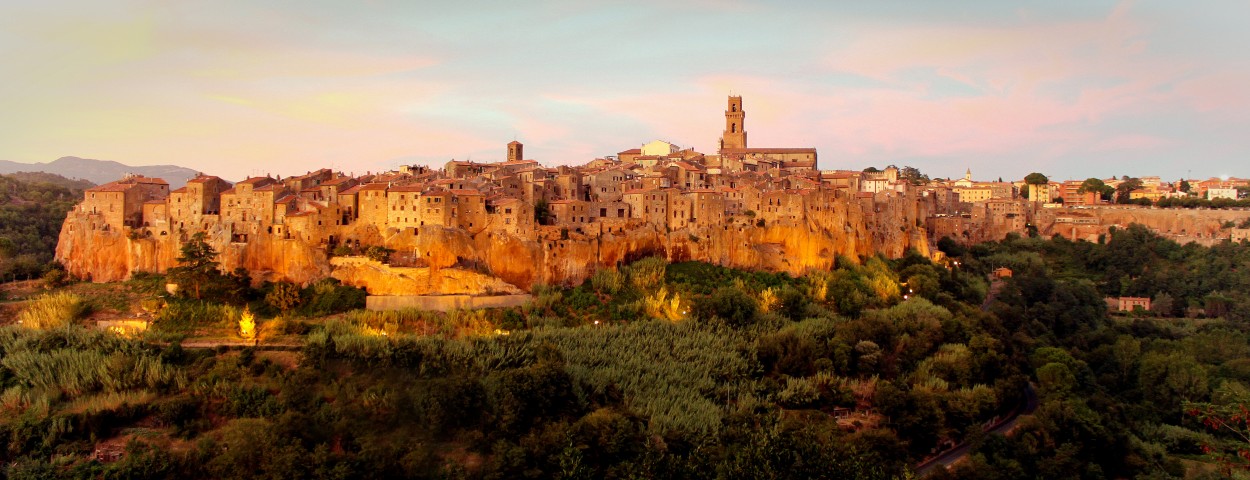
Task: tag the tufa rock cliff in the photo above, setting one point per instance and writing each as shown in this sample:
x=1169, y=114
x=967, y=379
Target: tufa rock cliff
x=440, y=260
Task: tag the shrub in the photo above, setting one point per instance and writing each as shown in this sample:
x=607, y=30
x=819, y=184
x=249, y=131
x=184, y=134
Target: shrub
x=647, y=274
x=328, y=296
x=607, y=281
x=52, y=310
x=284, y=296
x=730, y=304
x=378, y=253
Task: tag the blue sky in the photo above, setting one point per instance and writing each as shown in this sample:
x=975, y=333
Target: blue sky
x=1071, y=89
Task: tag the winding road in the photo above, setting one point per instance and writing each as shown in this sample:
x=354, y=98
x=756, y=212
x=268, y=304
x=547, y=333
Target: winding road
x=1003, y=427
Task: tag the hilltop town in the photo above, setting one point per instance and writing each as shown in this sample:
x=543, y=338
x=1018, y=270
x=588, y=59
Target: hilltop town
x=507, y=225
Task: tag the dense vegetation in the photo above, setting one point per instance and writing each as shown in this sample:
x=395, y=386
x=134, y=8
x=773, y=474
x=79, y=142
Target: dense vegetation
x=32, y=208
x=660, y=370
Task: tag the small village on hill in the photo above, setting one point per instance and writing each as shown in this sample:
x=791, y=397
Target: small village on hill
x=680, y=196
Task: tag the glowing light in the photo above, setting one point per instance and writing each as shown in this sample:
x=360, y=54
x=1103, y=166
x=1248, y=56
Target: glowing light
x=247, y=324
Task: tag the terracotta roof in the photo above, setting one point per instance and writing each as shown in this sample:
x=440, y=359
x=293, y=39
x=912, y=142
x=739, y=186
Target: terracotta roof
x=337, y=181
x=148, y=180
x=256, y=180
x=373, y=186
x=154, y=202
x=407, y=188
x=228, y=191
x=112, y=187
x=203, y=179
x=465, y=192
x=179, y=190
x=688, y=166
x=352, y=190
x=632, y=151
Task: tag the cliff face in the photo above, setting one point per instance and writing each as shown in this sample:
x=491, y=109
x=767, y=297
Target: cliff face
x=446, y=260
x=1181, y=225
x=113, y=255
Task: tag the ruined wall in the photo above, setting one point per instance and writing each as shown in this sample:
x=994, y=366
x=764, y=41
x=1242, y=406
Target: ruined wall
x=1182, y=225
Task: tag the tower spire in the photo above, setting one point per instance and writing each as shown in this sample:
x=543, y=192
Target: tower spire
x=735, y=135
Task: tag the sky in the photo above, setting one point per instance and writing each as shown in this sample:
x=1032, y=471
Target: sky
x=1072, y=89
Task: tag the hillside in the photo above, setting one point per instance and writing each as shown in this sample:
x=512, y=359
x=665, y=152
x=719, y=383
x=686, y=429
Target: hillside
x=31, y=213
x=52, y=178
x=656, y=370
x=101, y=171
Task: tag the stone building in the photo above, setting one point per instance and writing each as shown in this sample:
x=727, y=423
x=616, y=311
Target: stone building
x=120, y=204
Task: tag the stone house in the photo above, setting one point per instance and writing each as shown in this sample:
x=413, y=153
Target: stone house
x=468, y=210
x=510, y=215
x=404, y=208
x=609, y=210
x=435, y=208
x=373, y=205
x=680, y=210
x=606, y=185
x=569, y=212
x=1128, y=304
x=687, y=175
x=781, y=205
x=707, y=207
x=308, y=180
x=200, y=196
x=120, y=203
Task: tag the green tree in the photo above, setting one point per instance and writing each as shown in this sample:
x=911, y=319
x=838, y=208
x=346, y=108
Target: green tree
x=198, y=271
x=1123, y=192
x=285, y=296
x=913, y=175
x=1184, y=186
x=1096, y=185
x=1036, y=178
x=541, y=212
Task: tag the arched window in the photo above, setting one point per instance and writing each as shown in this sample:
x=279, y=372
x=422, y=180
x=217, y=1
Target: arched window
x=733, y=128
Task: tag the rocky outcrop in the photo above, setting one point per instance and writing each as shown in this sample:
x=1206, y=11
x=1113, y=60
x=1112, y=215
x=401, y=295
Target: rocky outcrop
x=1181, y=225
x=109, y=255
x=382, y=279
x=438, y=260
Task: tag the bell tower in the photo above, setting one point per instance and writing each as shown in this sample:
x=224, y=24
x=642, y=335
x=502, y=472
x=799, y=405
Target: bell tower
x=515, y=151
x=735, y=135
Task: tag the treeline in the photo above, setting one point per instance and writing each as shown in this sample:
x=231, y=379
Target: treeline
x=1117, y=395
x=33, y=207
x=1195, y=202
x=659, y=370
x=1182, y=280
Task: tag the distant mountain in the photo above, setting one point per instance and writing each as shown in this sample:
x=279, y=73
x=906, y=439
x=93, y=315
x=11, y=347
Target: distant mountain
x=101, y=171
